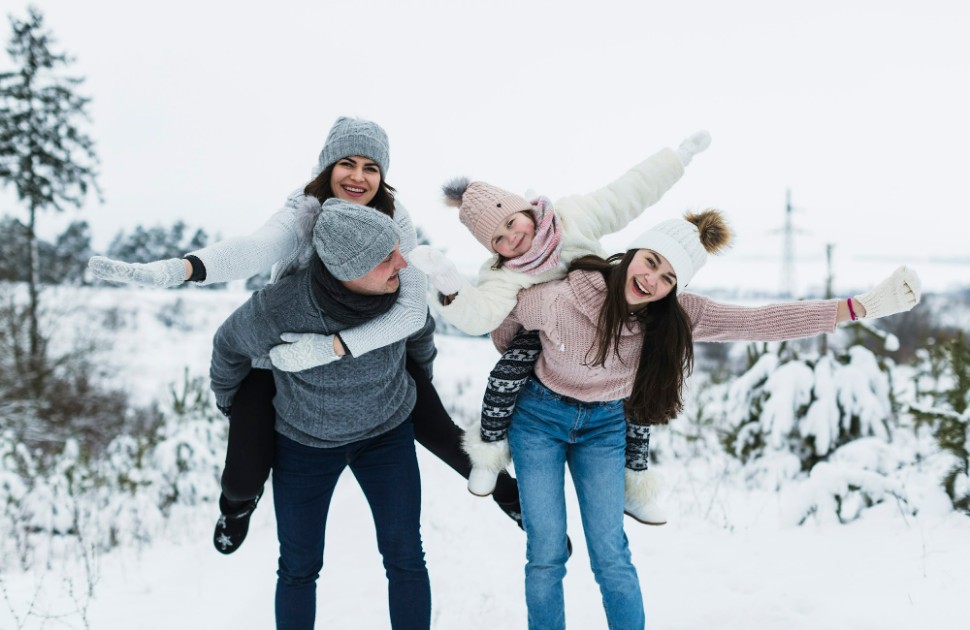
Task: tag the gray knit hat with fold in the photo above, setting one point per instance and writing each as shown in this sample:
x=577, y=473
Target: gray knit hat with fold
x=355, y=136
x=352, y=239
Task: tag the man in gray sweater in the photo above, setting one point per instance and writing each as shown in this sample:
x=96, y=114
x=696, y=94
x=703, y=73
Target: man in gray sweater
x=353, y=412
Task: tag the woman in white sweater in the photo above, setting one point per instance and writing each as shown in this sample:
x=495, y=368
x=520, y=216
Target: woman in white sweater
x=352, y=166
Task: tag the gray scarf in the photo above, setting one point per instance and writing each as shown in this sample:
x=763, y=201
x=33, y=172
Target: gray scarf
x=340, y=303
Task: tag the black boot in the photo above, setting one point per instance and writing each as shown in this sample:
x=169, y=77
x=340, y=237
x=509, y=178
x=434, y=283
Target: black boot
x=513, y=510
x=233, y=524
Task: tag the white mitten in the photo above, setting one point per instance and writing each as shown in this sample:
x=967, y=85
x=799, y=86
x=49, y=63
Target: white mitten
x=161, y=273
x=692, y=145
x=642, y=488
x=897, y=293
x=442, y=272
x=302, y=351
x=488, y=460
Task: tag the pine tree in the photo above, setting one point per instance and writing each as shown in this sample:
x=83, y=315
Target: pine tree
x=943, y=384
x=44, y=155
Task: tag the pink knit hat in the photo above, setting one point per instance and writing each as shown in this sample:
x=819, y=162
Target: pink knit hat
x=482, y=207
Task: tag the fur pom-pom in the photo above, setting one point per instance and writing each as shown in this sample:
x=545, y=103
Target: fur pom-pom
x=454, y=189
x=713, y=230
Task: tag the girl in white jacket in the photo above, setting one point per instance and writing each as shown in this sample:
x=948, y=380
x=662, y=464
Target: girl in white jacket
x=533, y=242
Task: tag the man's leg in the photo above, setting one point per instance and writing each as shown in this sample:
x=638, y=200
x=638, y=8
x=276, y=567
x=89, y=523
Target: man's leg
x=303, y=481
x=387, y=470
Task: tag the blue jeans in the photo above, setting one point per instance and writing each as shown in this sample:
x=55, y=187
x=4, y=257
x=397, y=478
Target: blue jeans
x=548, y=431
x=303, y=481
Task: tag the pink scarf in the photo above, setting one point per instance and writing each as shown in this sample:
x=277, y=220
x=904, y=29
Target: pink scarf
x=544, y=253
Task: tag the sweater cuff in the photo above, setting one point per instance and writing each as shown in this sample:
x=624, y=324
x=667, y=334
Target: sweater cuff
x=198, y=269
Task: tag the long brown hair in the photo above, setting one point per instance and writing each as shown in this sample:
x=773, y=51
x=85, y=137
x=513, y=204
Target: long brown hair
x=667, y=353
x=320, y=188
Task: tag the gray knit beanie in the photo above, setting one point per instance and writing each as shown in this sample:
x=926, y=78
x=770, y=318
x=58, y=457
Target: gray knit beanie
x=355, y=136
x=352, y=239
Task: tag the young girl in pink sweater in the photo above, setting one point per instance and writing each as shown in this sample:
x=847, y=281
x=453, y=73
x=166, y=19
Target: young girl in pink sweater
x=617, y=344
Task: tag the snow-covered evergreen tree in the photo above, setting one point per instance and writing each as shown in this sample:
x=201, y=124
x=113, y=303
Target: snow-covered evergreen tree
x=943, y=403
x=822, y=422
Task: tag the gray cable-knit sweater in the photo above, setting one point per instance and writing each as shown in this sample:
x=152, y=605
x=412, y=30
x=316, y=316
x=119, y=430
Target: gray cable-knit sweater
x=284, y=243
x=327, y=406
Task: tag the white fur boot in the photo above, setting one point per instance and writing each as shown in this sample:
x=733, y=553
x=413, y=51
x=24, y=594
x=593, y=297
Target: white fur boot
x=642, y=489
x=488, y=460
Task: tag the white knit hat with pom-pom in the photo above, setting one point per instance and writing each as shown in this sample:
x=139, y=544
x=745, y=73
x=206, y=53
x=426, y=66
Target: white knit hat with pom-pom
x=685, y=243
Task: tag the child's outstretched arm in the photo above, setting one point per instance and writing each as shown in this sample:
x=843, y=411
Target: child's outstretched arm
x=614, y=206
x=475, y=310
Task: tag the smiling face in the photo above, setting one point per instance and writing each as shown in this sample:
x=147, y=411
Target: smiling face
x=648, y=278
x=355, y=179
x=513, y=237
x=384, y=278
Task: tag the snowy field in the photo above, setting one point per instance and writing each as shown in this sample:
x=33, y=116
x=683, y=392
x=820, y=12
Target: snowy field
x=729, y=557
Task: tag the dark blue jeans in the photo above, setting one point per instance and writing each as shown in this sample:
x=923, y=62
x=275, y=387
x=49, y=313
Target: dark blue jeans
x=303, y=481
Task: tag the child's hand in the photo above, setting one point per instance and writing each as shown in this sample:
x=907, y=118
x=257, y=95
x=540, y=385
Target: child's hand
x=897, y=293
x=442, y=272
x=692, y=145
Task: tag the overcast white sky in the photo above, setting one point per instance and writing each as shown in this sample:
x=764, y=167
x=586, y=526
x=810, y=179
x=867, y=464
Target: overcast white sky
x=211, y=112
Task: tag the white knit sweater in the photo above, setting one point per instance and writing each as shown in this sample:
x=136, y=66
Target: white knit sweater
x=285, y=243
x=585, y=219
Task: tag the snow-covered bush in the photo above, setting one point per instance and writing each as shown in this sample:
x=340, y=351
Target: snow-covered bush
x=823, y=422
x=56, y=500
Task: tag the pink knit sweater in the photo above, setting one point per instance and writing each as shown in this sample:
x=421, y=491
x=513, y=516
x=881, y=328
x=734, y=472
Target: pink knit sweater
x=565, y=312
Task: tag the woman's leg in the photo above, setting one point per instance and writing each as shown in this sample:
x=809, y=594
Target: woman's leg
x=435, y=430
x=249, y=453
x=387, y=469
x=249, y=457
x=538, y=439
x=596, y=463
x=303, y=481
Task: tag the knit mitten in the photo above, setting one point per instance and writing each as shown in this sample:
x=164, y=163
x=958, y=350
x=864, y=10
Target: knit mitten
x=302, y=351
x=897, y=293
x=642, y=488
x=488, y=460
x=161, y=273
x=692, y=145
x=442, y=272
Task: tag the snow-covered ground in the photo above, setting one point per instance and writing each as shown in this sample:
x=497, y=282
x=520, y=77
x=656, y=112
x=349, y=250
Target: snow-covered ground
x=729, y=557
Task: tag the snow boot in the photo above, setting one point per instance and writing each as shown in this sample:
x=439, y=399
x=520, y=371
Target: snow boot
x=642, y=488
x=233, y=523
